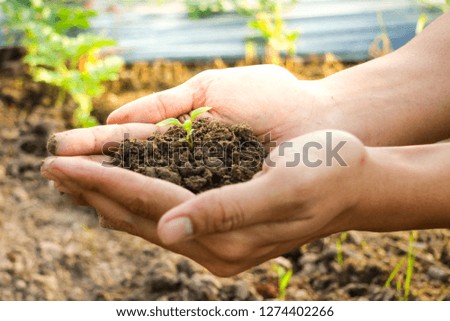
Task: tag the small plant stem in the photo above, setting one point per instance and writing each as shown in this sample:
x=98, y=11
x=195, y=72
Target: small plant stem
x=394, y=272
x=284, y=276
x=339, y=257
x=411, y=256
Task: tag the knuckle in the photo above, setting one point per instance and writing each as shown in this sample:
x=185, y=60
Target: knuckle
x=160, y=106
x=200, y=84
x=136, y=204
x=227, y=216
x=121, y=224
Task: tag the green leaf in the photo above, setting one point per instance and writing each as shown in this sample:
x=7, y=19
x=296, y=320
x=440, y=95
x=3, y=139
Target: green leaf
x=169, y=121
x=394, y=272
x=83, y=119
x=187, y=125
x=199, y=111
x=284, y=282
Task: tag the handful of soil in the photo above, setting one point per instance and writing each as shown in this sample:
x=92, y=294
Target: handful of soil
x=220, y=155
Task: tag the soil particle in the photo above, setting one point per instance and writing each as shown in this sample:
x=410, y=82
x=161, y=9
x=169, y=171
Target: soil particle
x=445, y=254
x=162, y=277
x=204, y=287
x=20, y=194
x=34, y=139
x=268, y=289
x=382, y=294
x=240, y=291
x=184, y=266
x=220, y=155
x=356, y=290
x=435, y=273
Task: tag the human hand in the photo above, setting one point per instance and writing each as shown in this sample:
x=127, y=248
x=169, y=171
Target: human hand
x=268, y=98
x=235, y=227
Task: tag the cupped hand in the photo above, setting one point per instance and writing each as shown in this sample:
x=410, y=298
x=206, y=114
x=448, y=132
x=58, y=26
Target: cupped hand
x=268, y=98
x=294, y=200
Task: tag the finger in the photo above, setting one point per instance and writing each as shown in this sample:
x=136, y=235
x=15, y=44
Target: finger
x=63, y=188
x=156, y=107
x=96, y=140
x=99, y=159
x=120, y=218
x=224, y=209
x=140, y=194
x=114, y=216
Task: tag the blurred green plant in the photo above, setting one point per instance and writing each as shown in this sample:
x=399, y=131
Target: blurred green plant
x=198, y=9
x=284, y=276
x=403, y=285
x=56, y=56
x=428, y=5
x=340, y=240
x=265, y=16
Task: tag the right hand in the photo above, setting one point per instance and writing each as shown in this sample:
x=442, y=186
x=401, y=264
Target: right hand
x=235, y=227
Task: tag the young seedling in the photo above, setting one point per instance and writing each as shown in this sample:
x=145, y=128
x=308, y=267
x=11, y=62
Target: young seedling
x=410, y=259
x=284, y=276
x=339, y=254
x=187, y=125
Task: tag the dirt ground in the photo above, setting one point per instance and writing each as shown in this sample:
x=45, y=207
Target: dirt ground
x=53, y=250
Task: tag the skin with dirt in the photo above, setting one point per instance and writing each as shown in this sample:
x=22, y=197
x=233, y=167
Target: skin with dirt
x=220, y=155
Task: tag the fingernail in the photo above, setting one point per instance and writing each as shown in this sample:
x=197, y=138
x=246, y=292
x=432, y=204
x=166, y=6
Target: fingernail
x=52, y=144
x=176, y=230
x=46, y=163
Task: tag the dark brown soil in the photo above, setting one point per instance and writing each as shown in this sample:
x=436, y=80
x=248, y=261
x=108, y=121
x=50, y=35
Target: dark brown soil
x=220, y=155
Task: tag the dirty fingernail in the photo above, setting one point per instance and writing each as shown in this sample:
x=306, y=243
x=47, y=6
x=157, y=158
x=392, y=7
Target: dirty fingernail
x=176, y=230
x=52, y=144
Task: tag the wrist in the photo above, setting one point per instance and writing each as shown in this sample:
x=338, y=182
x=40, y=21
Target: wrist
x=404, y=188
x=384, y=102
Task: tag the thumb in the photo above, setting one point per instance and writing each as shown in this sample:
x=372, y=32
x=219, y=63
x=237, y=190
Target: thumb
x=220, y=210
x=155, y=107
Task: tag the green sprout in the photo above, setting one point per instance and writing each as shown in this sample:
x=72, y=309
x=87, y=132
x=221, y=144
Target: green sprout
x=284, y=276
x=339, y=254
x=187, y=125
x=428, y=6
x=410, y=259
